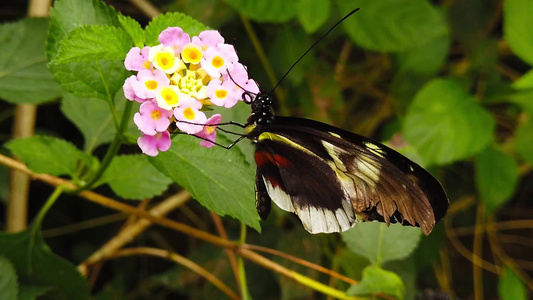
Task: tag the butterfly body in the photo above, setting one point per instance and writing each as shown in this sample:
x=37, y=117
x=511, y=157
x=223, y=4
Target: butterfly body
x=332, y=178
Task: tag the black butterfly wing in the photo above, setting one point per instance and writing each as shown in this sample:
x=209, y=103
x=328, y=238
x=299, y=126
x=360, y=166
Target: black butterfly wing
x=330, y=178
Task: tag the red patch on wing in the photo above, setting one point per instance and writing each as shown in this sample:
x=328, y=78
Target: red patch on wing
x=261, y=158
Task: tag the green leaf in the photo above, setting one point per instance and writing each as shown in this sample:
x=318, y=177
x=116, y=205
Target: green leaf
x=30, y=292
x=523, y=142
x=134, y=29
x=9, y=287
x=427, y=58
x=50, y=155
x=524, y=99
x=352, y=264
x=37, y=265
x=161, y=22
x=93, y=118
x=273, y=11
x=445, y=124
x=95, y=79
x=133, y=177
x=496, y=177
x=69, y=14
x=24, y=77
x=392, y=25
x=377, y=280
x=219, y=179
x=93, y=42
x=312, y=14
x=525, y=82
x=517, y=23
x=510, y=287
x=380, y=243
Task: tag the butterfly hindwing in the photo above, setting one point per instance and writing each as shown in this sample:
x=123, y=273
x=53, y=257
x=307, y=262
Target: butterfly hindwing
x=329, y=175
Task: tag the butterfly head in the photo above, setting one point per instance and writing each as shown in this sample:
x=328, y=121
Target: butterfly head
x=261, y=105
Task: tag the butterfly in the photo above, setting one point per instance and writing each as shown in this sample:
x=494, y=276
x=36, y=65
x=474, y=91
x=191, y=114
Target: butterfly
x=332, y=178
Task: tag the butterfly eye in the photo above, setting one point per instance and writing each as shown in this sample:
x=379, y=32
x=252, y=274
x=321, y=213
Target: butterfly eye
x=248, y=98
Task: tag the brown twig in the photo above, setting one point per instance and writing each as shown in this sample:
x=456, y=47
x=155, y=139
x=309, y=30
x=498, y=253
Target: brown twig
x=180, y=260
x=301, y=262
x=477, y=250
x=231, y=255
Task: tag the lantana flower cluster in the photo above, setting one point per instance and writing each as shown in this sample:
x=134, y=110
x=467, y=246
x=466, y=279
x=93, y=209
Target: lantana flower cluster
x=176, y=79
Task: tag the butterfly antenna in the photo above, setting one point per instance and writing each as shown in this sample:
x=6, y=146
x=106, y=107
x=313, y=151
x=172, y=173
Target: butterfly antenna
x=310, y=48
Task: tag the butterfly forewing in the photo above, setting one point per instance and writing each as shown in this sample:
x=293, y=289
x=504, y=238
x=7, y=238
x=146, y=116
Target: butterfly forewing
x=330, y=178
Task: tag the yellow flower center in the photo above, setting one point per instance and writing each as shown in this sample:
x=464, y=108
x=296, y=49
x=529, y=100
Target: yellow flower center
x=146, y=64
x=191, y=84
x=209, y=129
x=151, y=84
x=170, y=97
x=221, y=94
x=165, y=60
x=217, y=62
x=156, y=115
x=191, y=54
x=188, y=113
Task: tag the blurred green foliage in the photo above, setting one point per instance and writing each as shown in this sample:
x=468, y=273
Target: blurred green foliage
x=448, y=83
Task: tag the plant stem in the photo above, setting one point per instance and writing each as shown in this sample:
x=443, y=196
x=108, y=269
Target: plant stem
x=112, y=150
x=242, y=272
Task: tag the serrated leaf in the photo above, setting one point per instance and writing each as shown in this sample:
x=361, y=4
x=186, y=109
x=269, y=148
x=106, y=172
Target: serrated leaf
x=161, y=22
x=445, y=124
x=427, y=58
x=496, y=177
x=510, y=287
x=377, y=280
x=133, y=177
x=219, y=179
x=69, y=14
x=93, y=42
x=517, y=23
x=37, y=265
x=134, y=29
x=273, y=11
x=392, y=25
x=9, y=287
x=380, y=243
x=24, y=77
x=50, y=155
x=523, y=142
x=95, y=79
x=524, y=82
x=312, y=14
x=93, y=118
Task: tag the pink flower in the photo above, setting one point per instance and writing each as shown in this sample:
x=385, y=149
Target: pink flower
x=209, y=132
x=174, y=37
x=128, y=89
x=150, y=144
x=152, y=119
x=240, y=76
x=148, y=82
x=208, y=38
x=223, y=93
x=219, y=60
x=192, y=119
x=137, y=59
